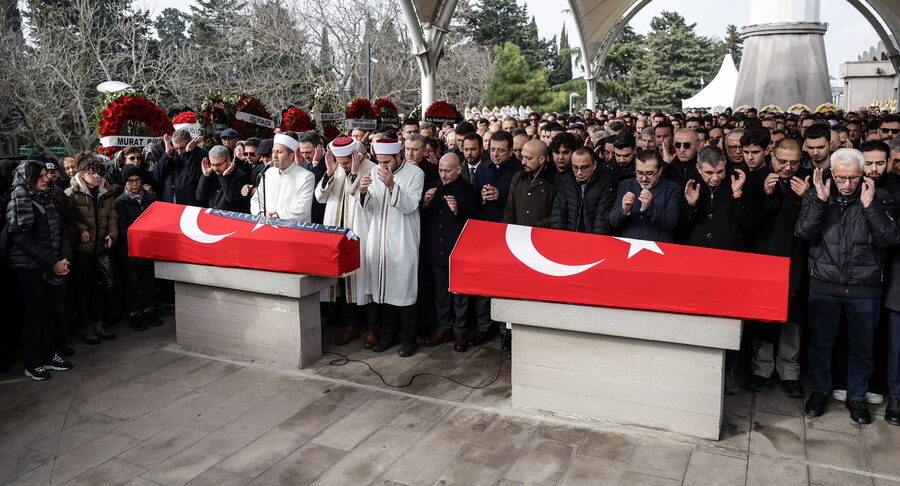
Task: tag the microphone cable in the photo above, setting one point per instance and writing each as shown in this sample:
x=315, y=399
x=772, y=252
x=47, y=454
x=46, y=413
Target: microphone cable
x=344, y=360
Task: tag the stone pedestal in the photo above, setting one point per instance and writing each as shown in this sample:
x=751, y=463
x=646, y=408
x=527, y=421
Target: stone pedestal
x=650, y=369
x=262, y=316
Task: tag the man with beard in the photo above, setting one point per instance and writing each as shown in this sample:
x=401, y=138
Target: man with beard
x=621, y=163
x=533, y=189
x=391, y=196
x=817, y=144
x=471, y=152
x=776, y=347
x=339, y=191
x=647, y=206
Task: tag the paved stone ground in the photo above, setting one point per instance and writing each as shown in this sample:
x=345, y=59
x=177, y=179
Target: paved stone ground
x=141, y=411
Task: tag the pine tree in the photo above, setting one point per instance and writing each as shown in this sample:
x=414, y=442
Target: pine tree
x=734, y=43
x=211, y=20
x=513, y=83
x=562, y=65
x=171, y=27
x=673, y=58
x=495, y=22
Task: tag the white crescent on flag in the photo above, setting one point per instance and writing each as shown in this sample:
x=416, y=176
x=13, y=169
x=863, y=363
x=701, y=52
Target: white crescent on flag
x=518, y=239
x=188, y=225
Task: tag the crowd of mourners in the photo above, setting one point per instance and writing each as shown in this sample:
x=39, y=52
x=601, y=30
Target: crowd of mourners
x=818, y=188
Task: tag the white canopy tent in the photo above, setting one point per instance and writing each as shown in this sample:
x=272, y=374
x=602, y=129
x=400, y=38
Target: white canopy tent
x=719, y=91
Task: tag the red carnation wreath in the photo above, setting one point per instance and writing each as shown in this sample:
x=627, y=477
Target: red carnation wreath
x=294, y=119
x=362, y=109
x=252, y=105
x=216, y=114
x=135, y=112
x=184, y=117
x=441, y=111
x=388, y=110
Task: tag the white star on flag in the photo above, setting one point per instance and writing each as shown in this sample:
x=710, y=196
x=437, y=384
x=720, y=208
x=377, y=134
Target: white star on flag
x=638, y=245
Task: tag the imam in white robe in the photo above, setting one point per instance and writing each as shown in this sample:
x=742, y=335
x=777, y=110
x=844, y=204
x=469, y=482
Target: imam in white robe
x=289, y=193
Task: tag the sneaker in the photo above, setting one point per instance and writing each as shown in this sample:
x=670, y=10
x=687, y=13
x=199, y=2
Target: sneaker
x=38, y=373
x=839, y=395
x=59, y=364
x=874, y=398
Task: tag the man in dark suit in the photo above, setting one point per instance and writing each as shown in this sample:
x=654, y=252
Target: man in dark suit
x=471, y=145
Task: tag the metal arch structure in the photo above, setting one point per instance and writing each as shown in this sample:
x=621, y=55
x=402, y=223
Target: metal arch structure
x=598, y=24
x=428, y=22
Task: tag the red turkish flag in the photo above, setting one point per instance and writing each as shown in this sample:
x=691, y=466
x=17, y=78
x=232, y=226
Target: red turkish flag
x=229, y=239
x=519, y=262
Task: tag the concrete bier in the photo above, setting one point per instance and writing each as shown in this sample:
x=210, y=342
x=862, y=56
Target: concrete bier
x=269, y=317
x=633, y=334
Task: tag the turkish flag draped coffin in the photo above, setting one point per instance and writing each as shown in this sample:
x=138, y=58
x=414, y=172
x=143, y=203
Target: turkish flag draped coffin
x=519, y=262
x=230, y=239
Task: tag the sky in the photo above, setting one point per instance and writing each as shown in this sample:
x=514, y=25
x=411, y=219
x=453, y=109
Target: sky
x=849, y=34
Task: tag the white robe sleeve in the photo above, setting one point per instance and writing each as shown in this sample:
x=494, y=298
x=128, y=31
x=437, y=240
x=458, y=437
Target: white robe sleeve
x=255, y=203
x=406, y=199
x=301, y=206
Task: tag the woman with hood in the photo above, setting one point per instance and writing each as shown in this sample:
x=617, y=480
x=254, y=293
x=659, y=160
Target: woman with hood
x=39, y=255
x=97, y=222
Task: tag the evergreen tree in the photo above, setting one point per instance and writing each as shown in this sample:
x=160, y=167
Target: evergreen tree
x=620, y=59
x=513, y=83
x=562, y=65
x=326, y=56
x=211, y=20
x=495, y=22
x=672, y=61
x=537, y=52
x=734, y=43
x=171, y=27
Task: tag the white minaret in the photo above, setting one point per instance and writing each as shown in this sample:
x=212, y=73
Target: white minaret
x=784, y=55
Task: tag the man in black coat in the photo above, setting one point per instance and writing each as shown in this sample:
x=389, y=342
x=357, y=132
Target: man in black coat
x=647, y=206
x=584, y=196
x=780, y=193
x=621, y=166
x=718, y=212
x=533, y=189
x=178, y=169
x=221, y=183
x=447, y=204
x=849, y=224
x=683, y=166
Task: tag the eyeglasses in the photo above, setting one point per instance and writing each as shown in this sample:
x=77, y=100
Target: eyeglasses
x=250, y=154
x=581, y=168
x=892, y=131
x=645, y=173
x=499, y=150
x=714, y=140
x=843, y=179
x=686, y=145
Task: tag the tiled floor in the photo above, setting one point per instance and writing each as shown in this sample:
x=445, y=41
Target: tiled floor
x=141, y=411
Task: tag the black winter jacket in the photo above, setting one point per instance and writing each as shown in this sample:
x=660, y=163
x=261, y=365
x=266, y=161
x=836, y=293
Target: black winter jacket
x=718, y=220
x=583, y=208
x=847, y=242
x=129, y=210
x=38, y=237
x=224, y=192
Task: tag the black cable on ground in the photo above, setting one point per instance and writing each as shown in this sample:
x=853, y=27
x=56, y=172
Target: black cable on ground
x=344, y=360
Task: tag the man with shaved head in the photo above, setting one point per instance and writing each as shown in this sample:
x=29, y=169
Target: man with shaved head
x=532, y=190
x=446, y=206
x=683, y=166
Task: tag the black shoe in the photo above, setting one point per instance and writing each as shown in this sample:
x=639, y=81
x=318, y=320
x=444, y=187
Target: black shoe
x=792, y=388
x=383, y=346
x=137, y=324
x=892, y=413
x=816, y=404
x=103, y=332
x=407, y=351
x=483, y=337
x=58, y=364
x=38, y=373
x=757, y=383
x=858, y=412
x=151, y=319
x=66, y=352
